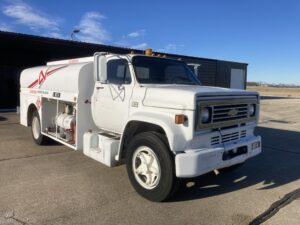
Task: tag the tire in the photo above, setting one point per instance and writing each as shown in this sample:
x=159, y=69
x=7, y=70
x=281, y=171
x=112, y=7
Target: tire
x=231, y=168
x=150, y=167
x=37, y=136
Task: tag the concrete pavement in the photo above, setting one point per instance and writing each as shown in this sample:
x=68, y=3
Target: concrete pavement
x=56, y=185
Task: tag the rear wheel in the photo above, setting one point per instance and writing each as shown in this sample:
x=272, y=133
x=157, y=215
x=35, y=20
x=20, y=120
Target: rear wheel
x=36, y=130
x=150, y=167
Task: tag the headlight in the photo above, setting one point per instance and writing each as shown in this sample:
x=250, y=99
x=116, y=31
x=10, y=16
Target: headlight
x=252, y=110
x=205, y=115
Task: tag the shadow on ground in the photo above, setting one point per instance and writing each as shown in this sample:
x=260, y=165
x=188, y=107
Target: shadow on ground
x=277, y=165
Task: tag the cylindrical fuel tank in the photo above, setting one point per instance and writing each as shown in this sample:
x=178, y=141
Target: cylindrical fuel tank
x=68, y=78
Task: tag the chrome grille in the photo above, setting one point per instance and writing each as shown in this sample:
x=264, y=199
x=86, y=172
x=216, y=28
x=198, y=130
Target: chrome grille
x=243, y=134
x=220, y=139
x=222, y=113
x=225, y=111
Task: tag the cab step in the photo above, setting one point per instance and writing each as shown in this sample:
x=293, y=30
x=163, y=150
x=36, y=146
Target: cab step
x=102, y=147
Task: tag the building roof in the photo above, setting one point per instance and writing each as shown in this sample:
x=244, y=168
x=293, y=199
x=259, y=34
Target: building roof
x=109, y=48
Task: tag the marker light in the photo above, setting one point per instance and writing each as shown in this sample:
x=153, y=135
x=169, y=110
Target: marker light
x=179, y=119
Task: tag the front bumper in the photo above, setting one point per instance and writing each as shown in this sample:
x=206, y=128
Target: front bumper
x=195, y=162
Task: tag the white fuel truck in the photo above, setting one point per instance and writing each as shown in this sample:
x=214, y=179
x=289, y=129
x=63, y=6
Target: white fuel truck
x=149, y=112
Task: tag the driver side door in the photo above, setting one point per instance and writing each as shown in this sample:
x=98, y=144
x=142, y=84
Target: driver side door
x=111, y=99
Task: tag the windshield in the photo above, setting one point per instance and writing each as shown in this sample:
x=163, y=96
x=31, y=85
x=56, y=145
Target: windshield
x=150, y=70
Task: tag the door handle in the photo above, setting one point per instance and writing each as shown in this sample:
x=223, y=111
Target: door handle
x=98, y=88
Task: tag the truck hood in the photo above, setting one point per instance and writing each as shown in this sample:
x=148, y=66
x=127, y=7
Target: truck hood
x=183, y=97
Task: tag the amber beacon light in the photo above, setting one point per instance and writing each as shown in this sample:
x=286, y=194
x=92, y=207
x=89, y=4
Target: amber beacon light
x=148, y=52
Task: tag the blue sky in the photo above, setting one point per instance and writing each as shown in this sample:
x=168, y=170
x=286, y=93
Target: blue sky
x=265, y=33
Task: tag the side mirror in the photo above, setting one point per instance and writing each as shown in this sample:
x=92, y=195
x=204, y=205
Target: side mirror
x=100, y=67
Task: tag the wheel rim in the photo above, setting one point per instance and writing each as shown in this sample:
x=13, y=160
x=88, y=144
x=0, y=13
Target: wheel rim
x=146, y=167
x=35, y=127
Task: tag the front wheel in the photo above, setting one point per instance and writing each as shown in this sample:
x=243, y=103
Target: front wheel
x=150, y=166
x=36, y=130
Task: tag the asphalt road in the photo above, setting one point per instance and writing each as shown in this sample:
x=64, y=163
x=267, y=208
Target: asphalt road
x=56, y=185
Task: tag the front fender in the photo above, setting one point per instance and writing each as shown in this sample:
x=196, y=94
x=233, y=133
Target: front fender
x=174, y=132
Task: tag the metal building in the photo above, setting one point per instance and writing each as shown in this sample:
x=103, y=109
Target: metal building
x=20, y=51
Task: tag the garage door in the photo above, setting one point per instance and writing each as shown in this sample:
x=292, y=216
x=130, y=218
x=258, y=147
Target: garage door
x=237, y=80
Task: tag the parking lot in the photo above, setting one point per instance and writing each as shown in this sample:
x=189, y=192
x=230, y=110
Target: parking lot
x=56, y=185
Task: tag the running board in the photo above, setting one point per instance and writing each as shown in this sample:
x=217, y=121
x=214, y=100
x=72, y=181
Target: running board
x=101, y=147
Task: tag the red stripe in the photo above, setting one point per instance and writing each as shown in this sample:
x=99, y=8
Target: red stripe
x=33, y=83
x=48, y=73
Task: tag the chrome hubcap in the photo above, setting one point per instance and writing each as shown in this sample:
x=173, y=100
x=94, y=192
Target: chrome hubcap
x=146, y=167
x=35, y=128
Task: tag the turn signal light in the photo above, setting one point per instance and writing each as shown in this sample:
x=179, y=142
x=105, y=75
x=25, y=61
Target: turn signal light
x=179, y=119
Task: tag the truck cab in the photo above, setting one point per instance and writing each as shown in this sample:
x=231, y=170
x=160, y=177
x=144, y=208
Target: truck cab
x=149, y=112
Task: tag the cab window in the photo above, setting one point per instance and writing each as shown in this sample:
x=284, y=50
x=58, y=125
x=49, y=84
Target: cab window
x=118, y=71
